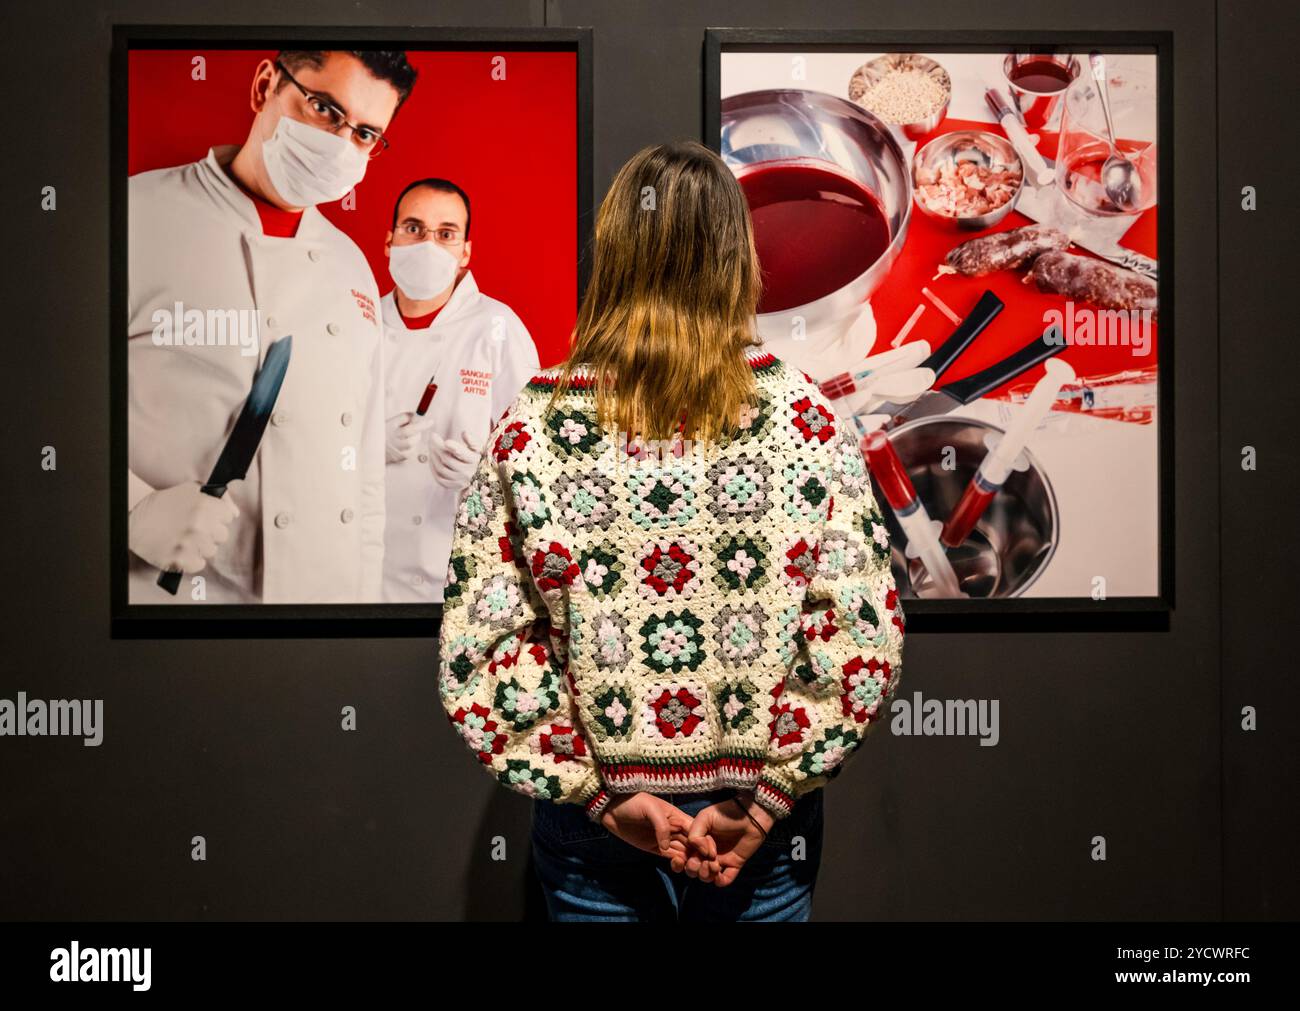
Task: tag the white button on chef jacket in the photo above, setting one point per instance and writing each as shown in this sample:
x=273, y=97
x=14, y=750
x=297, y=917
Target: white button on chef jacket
x=480, y=355
x=195, y=238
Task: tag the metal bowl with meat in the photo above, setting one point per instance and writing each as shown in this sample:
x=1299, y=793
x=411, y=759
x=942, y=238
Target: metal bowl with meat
x=967, y=178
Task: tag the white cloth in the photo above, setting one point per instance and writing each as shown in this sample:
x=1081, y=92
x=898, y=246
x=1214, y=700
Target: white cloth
x=311, y=523
x=481, y=355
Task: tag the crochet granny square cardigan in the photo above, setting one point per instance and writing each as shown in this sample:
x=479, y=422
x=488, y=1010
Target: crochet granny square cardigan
x=618, y=620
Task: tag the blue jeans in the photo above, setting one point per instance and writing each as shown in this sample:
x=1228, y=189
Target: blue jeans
x=587, y=873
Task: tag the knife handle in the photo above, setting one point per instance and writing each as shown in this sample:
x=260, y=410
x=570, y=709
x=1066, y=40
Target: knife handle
x=1038, y=350
x=967, y=330
x=170, y=579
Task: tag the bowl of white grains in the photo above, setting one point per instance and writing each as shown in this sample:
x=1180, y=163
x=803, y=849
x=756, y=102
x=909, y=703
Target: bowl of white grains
x=908, y=91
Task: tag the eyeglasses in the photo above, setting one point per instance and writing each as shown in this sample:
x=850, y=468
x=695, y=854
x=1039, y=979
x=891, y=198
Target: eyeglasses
x=325, y=115
x=418, y=232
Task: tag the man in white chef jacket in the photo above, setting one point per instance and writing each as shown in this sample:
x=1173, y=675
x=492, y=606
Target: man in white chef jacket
x=438, y=328
x=237, y=236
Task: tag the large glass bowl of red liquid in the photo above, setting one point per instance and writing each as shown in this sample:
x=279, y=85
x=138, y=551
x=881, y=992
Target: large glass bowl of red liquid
x=830, y=195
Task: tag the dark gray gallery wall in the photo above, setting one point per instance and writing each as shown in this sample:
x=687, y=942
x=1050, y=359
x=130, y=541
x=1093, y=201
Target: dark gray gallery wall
x=1258, y=356
x=1120, y=734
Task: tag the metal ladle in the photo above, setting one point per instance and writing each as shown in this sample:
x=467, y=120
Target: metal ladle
x=1119, y=176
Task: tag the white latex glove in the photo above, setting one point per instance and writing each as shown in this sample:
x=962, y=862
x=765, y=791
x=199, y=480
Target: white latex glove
x=180, y=527
x=453, y=461
x=403, y=435
x=900, y=387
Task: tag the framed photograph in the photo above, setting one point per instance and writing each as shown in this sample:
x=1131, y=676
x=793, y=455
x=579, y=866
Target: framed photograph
x=337, y=256
x=965, y=240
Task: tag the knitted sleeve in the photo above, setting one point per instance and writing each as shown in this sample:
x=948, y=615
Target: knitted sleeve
x=847, y=639
x=502, y=675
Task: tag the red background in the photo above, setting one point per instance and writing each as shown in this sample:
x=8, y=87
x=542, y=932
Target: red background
x=1020, y=322
x=511, y=144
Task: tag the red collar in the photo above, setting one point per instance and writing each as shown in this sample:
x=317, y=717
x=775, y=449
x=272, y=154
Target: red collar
x=418, y=322
x=276, y=221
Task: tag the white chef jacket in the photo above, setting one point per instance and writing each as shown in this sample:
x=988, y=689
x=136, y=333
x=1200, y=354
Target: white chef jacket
x=311, y=522
x=480, y=354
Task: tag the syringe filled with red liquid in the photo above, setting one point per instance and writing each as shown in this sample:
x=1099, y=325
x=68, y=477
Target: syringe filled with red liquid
x=921, y=531
x=908, y=356
x=426, y=398
x=1001, y=460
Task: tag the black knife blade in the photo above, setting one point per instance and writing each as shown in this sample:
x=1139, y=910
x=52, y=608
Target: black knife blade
x=241, y=446
x=963, y=391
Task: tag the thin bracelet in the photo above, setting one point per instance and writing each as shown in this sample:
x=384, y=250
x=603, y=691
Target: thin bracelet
x=750, y=816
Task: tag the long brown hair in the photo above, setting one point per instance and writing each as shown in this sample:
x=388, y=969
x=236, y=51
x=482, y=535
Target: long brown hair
x=669, y=309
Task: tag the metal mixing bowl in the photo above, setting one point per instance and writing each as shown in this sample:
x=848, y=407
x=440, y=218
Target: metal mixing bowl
x=870, y=74
x=1014, y=540
x=968, y=145
x=767, y=126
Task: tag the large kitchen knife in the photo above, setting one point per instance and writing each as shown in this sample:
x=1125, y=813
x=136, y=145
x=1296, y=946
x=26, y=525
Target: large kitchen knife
x=237, y=455
x=967, y=330
x=957, y=394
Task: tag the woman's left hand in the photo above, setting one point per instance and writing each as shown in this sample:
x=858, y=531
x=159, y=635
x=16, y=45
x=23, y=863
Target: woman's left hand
x=727, y=831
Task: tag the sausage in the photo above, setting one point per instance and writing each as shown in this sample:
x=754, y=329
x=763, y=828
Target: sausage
x=1096, y=281
x=1004, y=250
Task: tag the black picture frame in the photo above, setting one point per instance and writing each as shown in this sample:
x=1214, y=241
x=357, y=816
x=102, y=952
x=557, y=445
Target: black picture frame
x=1050, y=614
x=133, y=621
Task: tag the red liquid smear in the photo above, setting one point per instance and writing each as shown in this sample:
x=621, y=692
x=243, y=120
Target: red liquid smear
x=1043, y=76
x=815, y=230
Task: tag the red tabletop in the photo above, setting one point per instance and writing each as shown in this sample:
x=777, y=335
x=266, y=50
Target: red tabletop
x=1020, y=322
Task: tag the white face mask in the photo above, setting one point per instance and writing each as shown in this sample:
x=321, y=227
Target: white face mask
x=308, y=166
x=422, y=269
